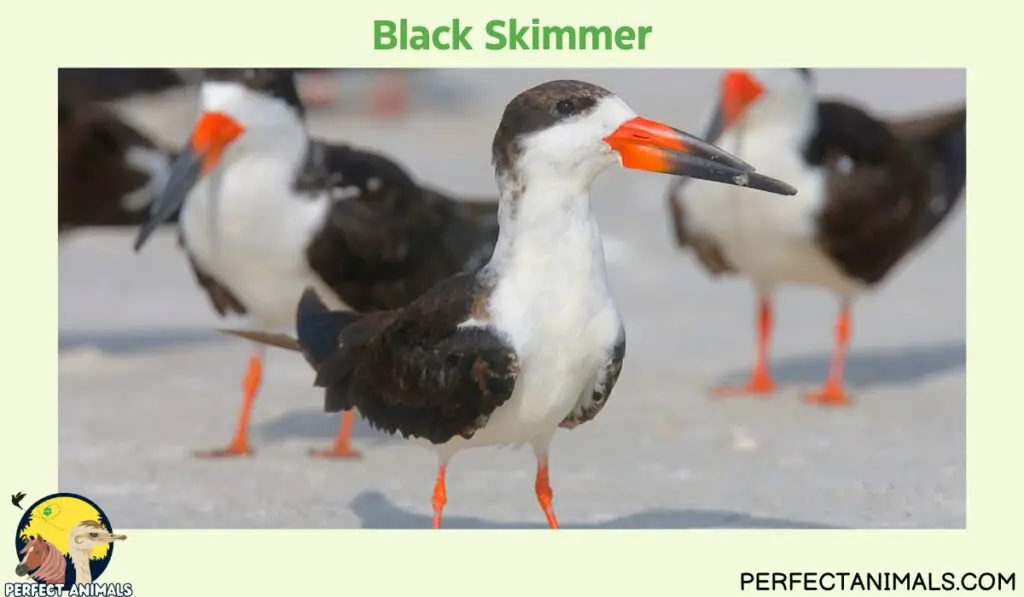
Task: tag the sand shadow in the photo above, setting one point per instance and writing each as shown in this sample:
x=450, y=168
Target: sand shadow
x=375, y=511
x=869, y=367
x=315, y=424
x=136, y=341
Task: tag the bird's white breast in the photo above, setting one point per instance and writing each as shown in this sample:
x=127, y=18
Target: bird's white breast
x=771, y=238
x=253, y=237
x=552, y=303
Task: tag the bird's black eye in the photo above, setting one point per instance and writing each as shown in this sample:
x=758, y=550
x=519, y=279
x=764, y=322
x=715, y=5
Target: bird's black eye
x=565, y=107
x=94, y=535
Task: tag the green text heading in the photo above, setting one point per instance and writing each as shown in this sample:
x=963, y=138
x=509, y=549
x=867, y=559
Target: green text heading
x=507, y=34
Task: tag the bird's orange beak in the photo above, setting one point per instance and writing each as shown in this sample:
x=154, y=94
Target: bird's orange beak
x=211, y=136
x=214, y=132
x=655, y=147
x=739, y=90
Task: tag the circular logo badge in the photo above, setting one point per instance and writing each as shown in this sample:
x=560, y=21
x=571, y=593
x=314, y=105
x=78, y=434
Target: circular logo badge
x=64, y=539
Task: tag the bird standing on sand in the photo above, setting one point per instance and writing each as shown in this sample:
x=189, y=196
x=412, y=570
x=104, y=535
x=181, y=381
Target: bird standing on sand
x=532, y=341
x=870, y=192
x=266, y=211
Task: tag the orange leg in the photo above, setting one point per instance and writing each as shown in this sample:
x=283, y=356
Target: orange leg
x=760, y=382
x=832, y=392
x=544, y=493
x=440, y=495
x=239, y=446
x=341, y=447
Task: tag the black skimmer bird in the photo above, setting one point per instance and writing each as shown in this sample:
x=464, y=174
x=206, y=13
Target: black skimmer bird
x=108, y=172
x=531, y=342
x=870, y=192
x=267, y=211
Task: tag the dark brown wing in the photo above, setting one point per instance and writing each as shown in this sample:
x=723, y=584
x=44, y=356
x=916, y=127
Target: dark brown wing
x=592, y=401
x=879, y=189
x=416, y=372
x=93, y=174
x=941, y=138
x=387, y=239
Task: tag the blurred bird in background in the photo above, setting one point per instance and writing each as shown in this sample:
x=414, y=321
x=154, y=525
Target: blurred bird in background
x=870, y=191
x=108, y=171
x=268, y=211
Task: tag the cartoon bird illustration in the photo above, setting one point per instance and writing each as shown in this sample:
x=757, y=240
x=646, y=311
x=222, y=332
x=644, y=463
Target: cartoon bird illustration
x=86, y=537
x=54, y=519
x=60, y=530
x=16, y=499
x=46, y=563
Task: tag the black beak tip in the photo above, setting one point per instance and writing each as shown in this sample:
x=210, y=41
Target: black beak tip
x=786, y=189
x=144, y=233
x=139, y=241
x=765, y=183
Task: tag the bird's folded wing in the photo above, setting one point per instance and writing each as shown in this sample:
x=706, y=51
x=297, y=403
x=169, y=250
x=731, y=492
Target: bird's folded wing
x=421, y=372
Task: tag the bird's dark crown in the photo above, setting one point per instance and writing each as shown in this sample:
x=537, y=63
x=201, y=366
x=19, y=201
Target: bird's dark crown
x=539, y=108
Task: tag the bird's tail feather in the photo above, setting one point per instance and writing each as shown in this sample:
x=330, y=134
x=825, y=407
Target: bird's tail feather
x=943, y=138
x=278, y=340
x=319, y=328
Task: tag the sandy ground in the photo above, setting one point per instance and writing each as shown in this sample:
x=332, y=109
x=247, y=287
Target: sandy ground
x=144, y=379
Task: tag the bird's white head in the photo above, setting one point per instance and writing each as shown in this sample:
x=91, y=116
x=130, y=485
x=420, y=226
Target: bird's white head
x=763, y=96
x=245, y=108
x=562, y=134
x=571, y=147
x=89, y=534
x=243, y=111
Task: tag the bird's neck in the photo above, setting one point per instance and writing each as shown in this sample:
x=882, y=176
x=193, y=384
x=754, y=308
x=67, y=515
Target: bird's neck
x=285, y=139
x=80, y=560
x=547, y=227
x=792, y=116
